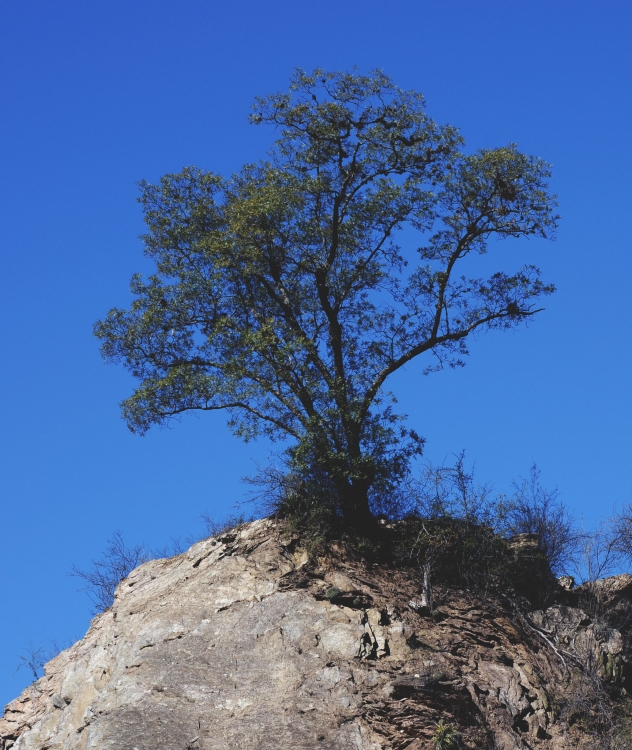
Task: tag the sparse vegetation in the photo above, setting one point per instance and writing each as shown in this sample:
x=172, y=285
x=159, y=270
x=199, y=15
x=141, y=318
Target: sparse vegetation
x=104, y=576
x=215, y=527
x=458, y=532
x=33, y=658
x=118, y=560
x=533, y=509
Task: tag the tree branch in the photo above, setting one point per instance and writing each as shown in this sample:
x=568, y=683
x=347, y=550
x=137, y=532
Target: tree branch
x=424, y=346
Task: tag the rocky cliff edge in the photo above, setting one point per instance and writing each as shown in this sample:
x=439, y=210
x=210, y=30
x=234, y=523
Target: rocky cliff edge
x=243, y=643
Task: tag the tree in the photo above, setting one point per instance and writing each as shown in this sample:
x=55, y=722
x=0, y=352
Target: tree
x=282, y=296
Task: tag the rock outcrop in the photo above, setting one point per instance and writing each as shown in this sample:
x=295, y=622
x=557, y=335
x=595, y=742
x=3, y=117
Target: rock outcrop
x=242, y=643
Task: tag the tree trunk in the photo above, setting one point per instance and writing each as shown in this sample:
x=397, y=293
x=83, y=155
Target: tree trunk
x=355, y=509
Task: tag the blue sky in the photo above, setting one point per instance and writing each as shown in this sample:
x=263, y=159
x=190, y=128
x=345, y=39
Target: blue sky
x=97, y=96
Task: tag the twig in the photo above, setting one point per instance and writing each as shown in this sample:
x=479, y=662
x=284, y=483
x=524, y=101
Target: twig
x=541, y=634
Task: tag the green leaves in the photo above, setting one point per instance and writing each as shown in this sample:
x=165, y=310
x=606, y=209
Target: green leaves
x=282, y=295
x=445, y=737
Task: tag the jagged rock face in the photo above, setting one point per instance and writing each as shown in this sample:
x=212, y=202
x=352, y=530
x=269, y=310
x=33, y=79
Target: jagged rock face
x=241, y=643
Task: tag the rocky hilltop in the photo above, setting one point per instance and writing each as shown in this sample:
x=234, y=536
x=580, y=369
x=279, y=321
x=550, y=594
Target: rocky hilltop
x=245, y=643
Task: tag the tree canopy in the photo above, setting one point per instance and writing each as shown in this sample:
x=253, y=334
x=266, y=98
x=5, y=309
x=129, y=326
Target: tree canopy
x=288, y=293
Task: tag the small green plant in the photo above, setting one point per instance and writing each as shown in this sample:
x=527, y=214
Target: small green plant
x=445, y=736
x=332, y=592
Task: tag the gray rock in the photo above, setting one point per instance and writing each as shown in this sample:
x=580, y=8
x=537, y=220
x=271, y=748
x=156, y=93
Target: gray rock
x=235, y=645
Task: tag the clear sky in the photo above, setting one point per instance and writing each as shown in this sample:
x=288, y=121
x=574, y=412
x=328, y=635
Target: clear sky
x=96, y=96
